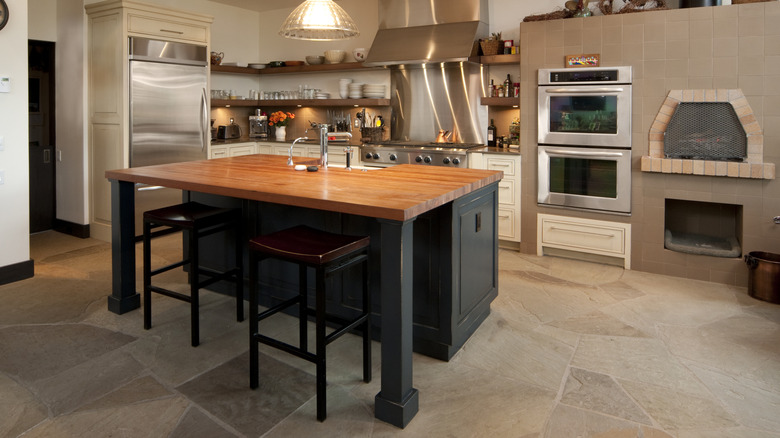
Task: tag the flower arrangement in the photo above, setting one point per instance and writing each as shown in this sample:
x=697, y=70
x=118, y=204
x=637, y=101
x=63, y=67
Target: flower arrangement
x=280, y=118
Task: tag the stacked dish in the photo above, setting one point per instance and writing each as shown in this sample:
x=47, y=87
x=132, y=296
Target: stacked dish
x=321, y=95
x=355, y=90
x=343, y=87
x=374, y=91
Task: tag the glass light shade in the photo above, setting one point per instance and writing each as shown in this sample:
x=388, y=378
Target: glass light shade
x=319, y=20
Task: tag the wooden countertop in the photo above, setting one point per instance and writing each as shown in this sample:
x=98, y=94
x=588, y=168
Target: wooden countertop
x=397, y=193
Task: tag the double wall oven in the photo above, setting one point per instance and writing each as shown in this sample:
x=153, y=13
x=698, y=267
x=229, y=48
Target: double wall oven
x=584, y=153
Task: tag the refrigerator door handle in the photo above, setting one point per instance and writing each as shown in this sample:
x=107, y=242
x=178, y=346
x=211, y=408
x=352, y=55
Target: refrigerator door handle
x=204, y=122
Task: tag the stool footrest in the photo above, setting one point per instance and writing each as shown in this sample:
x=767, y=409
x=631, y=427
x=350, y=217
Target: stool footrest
x=170, y=293
x=277, y=308
x=216, y=276
x=168, y=267
x=305, y=355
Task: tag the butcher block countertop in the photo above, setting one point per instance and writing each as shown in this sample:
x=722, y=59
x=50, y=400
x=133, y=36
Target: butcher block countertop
x=397, y=193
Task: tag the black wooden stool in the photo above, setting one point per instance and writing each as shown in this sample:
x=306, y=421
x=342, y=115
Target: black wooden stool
x=328, y=253
x=197, y=220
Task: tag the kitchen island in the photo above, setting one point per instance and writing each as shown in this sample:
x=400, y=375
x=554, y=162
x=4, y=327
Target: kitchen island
x=464, y=200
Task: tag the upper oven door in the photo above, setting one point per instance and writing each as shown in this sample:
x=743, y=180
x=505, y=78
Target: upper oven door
x=585, y=115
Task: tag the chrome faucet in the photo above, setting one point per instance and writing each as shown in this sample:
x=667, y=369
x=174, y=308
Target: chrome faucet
x=289, y=158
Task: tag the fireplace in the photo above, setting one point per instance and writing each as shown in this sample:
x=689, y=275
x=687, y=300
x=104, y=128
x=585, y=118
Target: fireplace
x=711, y=132
x=705, y=131
x=702, y=228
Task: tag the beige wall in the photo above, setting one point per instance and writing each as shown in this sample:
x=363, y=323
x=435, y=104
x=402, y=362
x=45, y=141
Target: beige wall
x=14, y=193
x=712, y=47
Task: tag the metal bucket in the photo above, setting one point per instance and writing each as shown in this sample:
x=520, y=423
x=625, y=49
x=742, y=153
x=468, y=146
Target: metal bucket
x=764, y=276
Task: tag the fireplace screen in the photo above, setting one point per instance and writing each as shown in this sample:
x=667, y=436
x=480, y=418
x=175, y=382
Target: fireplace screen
x=705, y=131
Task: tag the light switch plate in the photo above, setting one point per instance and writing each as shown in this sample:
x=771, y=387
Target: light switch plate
x=2, y=143
x=5, y=84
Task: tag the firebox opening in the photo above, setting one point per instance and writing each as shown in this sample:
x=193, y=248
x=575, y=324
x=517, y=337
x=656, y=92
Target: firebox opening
x=705, y=131
x=703, y=228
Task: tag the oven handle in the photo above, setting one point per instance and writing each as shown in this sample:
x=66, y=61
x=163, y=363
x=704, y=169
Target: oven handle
x=583, y=90
x=585, y=153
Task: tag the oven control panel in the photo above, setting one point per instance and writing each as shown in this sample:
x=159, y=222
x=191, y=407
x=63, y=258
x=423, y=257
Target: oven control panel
x=384, y=157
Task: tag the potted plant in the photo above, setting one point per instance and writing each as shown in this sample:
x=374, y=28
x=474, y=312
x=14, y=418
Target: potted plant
x=279, y=120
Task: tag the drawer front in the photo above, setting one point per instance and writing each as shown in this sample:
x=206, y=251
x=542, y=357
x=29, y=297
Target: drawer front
x=242, y=150
x=506, y=192
x=220, y=152
x=298, y=151
x=165, y=28
x=504, y=164
x=506, y=223
x=584, y=237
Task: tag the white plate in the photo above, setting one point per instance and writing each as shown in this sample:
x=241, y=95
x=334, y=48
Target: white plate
x=258, y=66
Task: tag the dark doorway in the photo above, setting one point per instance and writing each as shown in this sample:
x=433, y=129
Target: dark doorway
x=42, y=135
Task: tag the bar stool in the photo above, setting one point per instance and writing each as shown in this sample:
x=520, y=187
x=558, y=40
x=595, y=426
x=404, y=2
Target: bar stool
x=327, y=253
x=198, y=221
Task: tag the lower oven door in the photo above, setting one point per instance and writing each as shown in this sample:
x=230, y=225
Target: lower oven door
x=586, y=178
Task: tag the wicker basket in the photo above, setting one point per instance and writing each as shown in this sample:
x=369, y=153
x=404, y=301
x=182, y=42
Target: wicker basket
x=490, y=47
x=371, y=135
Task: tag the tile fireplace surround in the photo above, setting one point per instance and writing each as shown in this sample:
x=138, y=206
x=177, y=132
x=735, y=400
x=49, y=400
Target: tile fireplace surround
x=752, y=167
x=707, y=48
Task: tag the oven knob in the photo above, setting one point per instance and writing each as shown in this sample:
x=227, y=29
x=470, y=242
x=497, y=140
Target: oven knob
x=393, y=157
x=427, y=159
x=368, y=156
x=376, y=156
x=456, y=161
x=419, y=159
x=446, y=160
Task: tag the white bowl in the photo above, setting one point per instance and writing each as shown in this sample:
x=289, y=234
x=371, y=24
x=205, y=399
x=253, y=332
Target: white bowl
x=335, y=56
x=314, y=60
x=360, y=54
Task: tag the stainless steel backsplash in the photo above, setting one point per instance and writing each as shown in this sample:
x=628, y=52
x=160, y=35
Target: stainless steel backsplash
x=427, y=98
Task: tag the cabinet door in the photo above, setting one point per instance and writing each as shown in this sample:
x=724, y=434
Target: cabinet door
x=165, y=28
x=241, y=149
x=506, y=223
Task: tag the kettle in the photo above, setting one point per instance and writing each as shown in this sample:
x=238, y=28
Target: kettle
x=443, y=136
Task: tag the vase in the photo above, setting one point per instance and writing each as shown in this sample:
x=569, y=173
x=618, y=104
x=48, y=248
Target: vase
x=281, y=133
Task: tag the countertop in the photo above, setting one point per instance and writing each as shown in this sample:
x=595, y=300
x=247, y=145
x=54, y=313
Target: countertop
x=492, y=150
x=406, y=190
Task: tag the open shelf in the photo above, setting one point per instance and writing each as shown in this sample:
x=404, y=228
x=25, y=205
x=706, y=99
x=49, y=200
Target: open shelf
x=301, y=102
x=500, y=101
x=497, y=59
x=344, y=66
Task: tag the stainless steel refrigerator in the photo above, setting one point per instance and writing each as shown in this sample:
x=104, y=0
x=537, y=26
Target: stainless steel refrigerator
x=169, y=113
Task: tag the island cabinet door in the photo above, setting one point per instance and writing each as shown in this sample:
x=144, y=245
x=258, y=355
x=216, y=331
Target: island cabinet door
x=474, y=261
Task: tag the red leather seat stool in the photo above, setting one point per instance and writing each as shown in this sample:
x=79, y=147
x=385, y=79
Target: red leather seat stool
x=327, y=253
x=196, y=220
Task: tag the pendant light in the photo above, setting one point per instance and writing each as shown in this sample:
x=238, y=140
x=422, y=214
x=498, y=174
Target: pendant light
x=319, y=20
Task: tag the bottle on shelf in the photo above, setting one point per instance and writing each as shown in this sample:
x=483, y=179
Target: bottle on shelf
x=491, y=133
x=508, y=86
x=491, y=89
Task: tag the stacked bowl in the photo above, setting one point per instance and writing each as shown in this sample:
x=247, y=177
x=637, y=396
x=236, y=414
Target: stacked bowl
x=355, y=90
x=344, y=87
x=374, y=91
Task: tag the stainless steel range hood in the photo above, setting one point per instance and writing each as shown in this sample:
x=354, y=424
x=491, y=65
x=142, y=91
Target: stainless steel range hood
x=422, y=31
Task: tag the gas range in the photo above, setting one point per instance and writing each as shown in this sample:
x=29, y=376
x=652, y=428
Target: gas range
x=430, y=154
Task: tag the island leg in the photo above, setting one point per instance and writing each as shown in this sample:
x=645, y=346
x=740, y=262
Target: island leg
x=397, y=402
x=124, y=297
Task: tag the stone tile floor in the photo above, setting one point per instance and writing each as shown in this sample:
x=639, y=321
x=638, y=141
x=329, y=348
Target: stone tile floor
x=571, y=349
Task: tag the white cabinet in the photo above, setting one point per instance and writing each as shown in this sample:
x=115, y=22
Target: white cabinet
x=336, y=154
x=508, y=190
x=110, y=23
x=233, y=150
x=572, y=236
